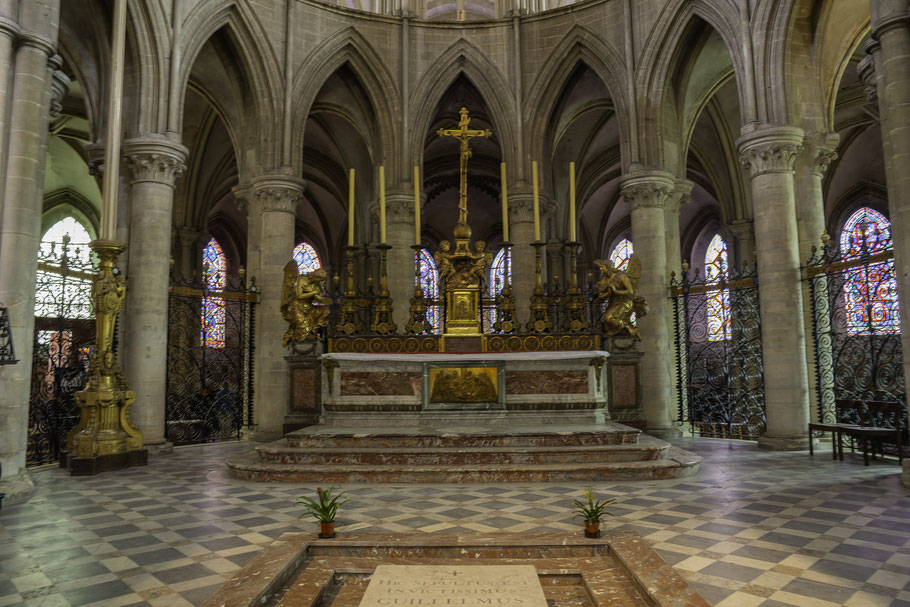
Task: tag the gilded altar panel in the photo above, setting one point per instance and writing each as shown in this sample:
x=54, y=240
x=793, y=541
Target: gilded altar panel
x=463, y=385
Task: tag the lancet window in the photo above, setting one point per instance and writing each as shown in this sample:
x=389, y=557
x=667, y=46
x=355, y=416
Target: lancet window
x=500, y=271
x=214, y=275
x=870, y=289
x=306, y=257
x=719, y=322
x=429, y=282
x=59, y=294
x=621, y=254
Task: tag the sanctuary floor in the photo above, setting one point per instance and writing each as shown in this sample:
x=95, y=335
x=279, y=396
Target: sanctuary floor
x=754, y=528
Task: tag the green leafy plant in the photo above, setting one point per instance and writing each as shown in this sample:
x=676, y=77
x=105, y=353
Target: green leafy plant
x=594, y=509
x=324, y=507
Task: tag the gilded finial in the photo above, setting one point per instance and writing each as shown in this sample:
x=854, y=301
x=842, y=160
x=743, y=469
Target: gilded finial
x=242, y=272
x=685, y=265
x=825, y=238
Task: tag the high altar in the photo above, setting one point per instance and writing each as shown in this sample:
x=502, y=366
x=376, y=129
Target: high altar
x=348, y=362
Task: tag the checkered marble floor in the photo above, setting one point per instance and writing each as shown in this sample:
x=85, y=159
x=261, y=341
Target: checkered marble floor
x=753, y=528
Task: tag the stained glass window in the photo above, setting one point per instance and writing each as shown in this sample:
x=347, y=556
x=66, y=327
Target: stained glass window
x=306, y=257
x=429, y=282
x=214, y=273
x=870, y=289
x=60, y=294
x=621, y=254
x=719, y=322
x=500, y=271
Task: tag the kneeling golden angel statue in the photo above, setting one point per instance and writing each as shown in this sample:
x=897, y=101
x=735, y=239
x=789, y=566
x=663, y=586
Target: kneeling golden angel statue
x=619, y=288
x=303, y=304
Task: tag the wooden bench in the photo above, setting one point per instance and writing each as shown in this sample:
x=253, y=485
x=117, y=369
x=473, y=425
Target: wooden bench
x=847, y=414
x=882, y=420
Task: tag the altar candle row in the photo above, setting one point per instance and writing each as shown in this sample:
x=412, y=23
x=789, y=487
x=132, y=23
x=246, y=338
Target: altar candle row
x=504, y=199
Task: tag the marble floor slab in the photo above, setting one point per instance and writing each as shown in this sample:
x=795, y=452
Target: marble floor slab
x=753, y=528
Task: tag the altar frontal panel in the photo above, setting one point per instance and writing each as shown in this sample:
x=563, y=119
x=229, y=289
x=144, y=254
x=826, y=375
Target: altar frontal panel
x=464, y=384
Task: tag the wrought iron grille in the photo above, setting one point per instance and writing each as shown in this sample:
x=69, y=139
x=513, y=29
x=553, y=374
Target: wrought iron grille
x=64, y=336
x=856, y=326
x=209, y=371
x=7, y=354
x=719, y=371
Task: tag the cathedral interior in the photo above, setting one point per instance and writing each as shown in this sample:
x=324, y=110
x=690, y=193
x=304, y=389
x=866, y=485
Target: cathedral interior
x=464, y=259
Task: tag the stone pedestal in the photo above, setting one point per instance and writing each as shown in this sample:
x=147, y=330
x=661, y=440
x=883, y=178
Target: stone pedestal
x=624, y=394
x=305, y=391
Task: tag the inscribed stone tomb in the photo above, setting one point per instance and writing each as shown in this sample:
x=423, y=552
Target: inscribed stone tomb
x=462, y=585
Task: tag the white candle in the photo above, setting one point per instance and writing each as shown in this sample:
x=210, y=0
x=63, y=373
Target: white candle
x=351, y=209
x=571, y=202
x=536, y=202
x=416, y=205
x=382, y=204
x=111, y=182
x=505, y=202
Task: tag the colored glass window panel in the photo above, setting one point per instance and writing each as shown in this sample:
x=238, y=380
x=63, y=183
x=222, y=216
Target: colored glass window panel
x=306, y=257
x=59, y=295
x=429, y=282
x=500, y=272
x=870, y=289
x=719, y=321
x=214, y=274
x=621, y=254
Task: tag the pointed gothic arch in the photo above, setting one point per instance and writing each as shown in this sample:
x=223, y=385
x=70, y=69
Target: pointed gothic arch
x=465, y=59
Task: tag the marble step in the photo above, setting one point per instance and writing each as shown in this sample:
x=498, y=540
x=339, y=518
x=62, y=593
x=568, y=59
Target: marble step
x=327, y=437
x=676, y=464
x=647, y=449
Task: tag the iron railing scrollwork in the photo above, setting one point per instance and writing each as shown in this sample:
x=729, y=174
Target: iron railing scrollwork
x=719, y=368
x=63, y=339
x=209, y=372
x=855, y=325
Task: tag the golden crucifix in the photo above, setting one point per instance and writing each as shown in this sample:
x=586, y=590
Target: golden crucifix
x=464, y=135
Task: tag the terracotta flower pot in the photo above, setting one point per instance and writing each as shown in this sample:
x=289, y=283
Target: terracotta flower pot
x=327, y=530
x=592, y=529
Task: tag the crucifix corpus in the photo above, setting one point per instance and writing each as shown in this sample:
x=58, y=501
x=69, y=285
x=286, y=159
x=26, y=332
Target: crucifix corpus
x=464, y=135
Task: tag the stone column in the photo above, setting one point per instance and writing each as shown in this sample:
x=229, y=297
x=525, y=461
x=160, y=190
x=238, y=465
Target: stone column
x=189, y=262
x=891, y=50
x=682, y=194
x=521, y=233
x=275, y=199
x=648, y=193
x=769, y=154
x=155, y=162
x=400, y=235
x=742, y=248
x=30, y=71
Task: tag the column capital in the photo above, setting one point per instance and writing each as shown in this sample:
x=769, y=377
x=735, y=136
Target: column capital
x=820, y=150
x=95, y=154
x=681, y=195
x=887, y=16
x=278, y=193
x=770, y=149
x=741, y=229
x=155, y=158
x=865, y=69
x=60, y=84
x=521, y=205
x=187, y=236
x=243, y=196
x=645, y=188
x=399, y=208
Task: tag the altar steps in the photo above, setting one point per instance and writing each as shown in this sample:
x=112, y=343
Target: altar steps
x=337, y=454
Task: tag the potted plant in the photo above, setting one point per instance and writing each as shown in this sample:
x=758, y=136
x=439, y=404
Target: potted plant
x=592, y=512
x=323, y=509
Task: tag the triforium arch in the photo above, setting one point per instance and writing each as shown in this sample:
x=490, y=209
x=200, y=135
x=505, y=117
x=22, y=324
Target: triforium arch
x=659, y=65
x=463, y=58
x=229, y=24
x=578, y=47
x=348, y=47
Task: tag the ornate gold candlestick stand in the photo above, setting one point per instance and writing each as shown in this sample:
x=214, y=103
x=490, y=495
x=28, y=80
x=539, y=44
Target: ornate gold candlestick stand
x=417, y=323
x=105, y=438
x=505, y=301
x=575, y=321
x=540, y=315
x=349, y=323
x=382, y=308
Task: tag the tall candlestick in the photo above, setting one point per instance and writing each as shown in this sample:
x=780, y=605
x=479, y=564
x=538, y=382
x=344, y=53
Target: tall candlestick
x=112, y=144
x=505, y=202
x=382, y=204
x=416, y=205
x=571, y=202
x=351, y=209
x=536, y=202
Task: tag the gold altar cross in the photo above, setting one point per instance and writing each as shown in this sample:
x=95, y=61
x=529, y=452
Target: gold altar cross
x=464, y=135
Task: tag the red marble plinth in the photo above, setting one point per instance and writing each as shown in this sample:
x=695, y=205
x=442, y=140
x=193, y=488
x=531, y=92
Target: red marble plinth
x=619, y=570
